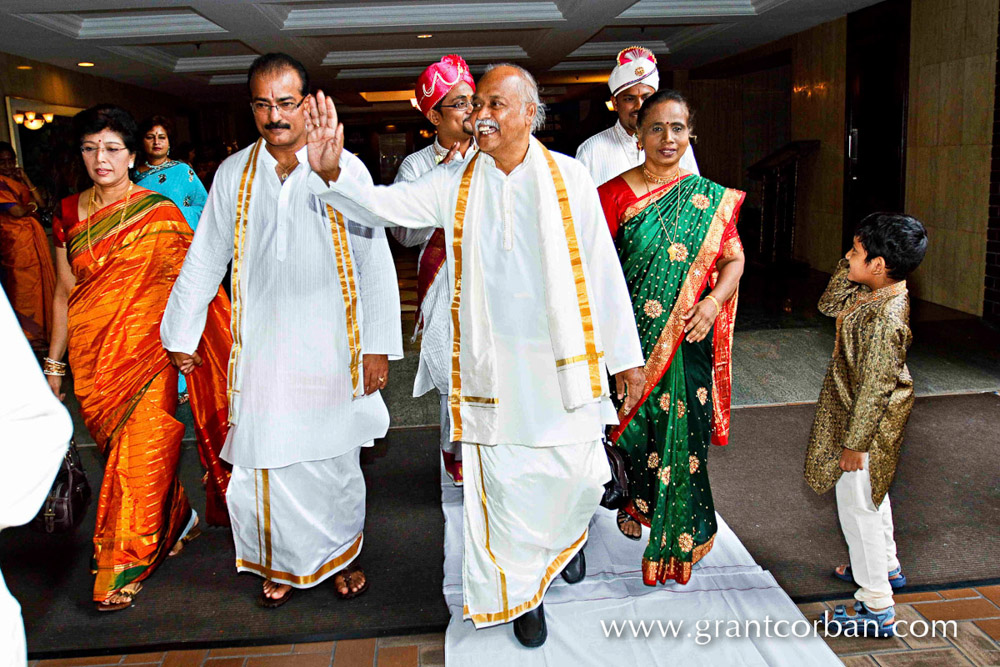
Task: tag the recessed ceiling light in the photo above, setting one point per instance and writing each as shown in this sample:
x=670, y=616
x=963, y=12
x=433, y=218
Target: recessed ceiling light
x=425, y=36
x=24, y=66
x=85, y=64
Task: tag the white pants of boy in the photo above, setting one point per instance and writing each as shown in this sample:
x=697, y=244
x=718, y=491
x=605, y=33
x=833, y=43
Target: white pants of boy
x=868, y=532
x=447, y=445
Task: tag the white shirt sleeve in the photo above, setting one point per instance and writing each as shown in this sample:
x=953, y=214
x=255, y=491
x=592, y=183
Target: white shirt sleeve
x=417, y=204
x=410, y=237
x=34, y=427
x=585, y=156
x=379, y=290
x=204, y=268
x=619, y=334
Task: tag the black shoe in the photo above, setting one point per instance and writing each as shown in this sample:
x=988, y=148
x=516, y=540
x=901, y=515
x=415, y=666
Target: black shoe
x=576, y=569
x=530, y=628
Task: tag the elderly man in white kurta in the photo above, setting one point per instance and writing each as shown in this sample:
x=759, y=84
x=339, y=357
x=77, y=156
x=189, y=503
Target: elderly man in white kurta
x=444, y=95
x=540, y=315
x=315, y=315
x=613, y=151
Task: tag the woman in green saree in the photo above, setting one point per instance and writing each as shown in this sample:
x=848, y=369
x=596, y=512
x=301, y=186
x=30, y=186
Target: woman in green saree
x=677, y=241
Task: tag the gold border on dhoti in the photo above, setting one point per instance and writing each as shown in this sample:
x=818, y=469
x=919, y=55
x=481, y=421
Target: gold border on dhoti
x=555, y=568
x=348, y=288
x=306, y=579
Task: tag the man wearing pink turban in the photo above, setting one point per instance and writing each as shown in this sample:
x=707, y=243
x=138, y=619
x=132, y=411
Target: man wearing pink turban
x=444, y=95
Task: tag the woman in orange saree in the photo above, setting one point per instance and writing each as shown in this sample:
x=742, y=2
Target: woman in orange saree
x=26, y=272
x=119, y=249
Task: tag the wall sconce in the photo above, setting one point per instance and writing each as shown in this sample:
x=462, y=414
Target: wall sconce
x=19, y=118
x=610, y=105
x=34, y=124
x=49, y=117
x=29, y=115
x=413, y=102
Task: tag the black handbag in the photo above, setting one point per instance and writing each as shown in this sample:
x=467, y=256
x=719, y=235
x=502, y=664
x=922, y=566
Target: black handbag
x=66, y=504
x=616, y=491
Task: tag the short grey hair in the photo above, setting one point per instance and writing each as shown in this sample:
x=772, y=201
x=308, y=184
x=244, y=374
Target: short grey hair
x=529, y=93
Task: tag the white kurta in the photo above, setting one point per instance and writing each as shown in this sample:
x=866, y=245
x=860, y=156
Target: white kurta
x=295, y=387
x=34, y=432
x=533, y=482
x=531, y=410
x=613, y=151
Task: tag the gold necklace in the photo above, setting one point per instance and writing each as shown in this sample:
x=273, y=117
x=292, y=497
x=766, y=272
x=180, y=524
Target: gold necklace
x=677, y=251
x=650, y=176
x=121, y=222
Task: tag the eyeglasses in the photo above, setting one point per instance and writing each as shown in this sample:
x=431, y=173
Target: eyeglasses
x=461, y=105
x=110, y=150
x=262, y=108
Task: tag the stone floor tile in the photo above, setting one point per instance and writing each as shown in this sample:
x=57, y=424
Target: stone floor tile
x=935, y=657
x=399, y=656
x=192, y=658
x=859, y=661
x=905, y=598
x=858, y=645
x=275, y=649
x=977, y=645
x=906, y=614
x=411, y=640
x=81, y=662
x=958, y=610
x=225, y=662
x=432, y=656
x=991, y=627
x=290, y=660
x=990, y=592
x=354, y=653
x=958, y=593
x=143, y=658
x=315, y=647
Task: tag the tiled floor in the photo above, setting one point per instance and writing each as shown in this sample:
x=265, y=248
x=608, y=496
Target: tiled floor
x=974, y=639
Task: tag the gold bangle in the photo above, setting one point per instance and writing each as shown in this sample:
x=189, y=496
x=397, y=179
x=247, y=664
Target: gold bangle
x=718, y=308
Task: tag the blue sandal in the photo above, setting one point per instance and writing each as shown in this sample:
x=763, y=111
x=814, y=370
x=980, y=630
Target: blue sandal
x=864, y=623
x=896, y=577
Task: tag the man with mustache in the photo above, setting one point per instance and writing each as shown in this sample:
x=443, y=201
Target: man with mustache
x=615, y=150
x=315, y=319
x=540, y=315
x=444, y=95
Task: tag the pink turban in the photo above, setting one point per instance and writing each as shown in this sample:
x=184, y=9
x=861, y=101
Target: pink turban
x=438, y=79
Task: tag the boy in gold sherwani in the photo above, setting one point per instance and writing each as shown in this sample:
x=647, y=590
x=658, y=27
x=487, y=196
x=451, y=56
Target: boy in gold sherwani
x=865, y=402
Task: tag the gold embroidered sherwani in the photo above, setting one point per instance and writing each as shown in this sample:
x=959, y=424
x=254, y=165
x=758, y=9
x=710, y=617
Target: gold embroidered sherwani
x=867, y=393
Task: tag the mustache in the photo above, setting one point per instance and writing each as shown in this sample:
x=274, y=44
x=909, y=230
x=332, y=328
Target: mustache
x=277, y=126
x=486, y=123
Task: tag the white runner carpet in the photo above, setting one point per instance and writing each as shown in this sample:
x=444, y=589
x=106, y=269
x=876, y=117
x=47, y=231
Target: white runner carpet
x=727, y=590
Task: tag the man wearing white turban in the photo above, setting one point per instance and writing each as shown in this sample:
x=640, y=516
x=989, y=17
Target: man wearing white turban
x=613, y=151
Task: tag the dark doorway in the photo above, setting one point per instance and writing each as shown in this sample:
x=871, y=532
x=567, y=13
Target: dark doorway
x=878, y=81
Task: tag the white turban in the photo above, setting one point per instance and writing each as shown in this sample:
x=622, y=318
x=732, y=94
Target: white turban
x=636, y=64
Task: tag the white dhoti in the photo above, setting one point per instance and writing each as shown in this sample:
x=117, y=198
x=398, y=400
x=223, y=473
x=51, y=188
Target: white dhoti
x=299, y=524
x=526, y=515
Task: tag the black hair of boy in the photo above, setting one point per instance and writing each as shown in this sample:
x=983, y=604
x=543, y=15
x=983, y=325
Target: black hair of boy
x=899, y=239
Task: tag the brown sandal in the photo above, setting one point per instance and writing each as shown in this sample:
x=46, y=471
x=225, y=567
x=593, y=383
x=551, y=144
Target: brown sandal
x=125, y=604
x=346, y=576
x=273, y=603
x=193, y=531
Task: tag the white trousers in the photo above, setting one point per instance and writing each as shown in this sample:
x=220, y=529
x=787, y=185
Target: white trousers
x=526, y=511
x=869, y=535
x=300, y=524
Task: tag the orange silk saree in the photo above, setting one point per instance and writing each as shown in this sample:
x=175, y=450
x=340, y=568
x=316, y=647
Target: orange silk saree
x=26, y=271
x=126, y=258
